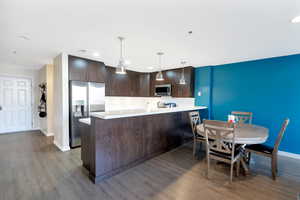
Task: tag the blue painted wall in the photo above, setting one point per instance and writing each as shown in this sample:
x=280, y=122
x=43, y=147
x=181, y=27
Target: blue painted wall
x=270, y=88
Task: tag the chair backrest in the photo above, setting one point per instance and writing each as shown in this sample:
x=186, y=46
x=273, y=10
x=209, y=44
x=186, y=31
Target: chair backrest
x=280, y=135
x=243, y=117
x=220, y=136
x=194, y=120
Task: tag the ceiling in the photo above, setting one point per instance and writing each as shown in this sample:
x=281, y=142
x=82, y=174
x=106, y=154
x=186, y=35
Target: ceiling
x=35, y=31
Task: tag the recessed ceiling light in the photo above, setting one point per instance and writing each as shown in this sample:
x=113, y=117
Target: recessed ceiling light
x=150, y=67
x=96, y=54
x=82, y=51
x=24, y=37
x=296, y=20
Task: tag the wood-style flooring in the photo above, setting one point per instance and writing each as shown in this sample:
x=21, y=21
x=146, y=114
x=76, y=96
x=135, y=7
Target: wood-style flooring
x=31, y=167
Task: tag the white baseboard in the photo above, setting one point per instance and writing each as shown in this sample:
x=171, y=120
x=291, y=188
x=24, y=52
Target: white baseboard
x=290, y=155
x=46, y=133
x=21, y=131
x=62, y=148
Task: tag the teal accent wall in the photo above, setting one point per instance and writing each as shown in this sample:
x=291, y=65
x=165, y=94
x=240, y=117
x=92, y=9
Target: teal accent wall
x=203, y=82
x=270, y=88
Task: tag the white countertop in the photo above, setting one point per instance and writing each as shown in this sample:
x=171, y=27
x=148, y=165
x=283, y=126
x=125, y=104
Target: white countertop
x=85, y=121
x=134, y=113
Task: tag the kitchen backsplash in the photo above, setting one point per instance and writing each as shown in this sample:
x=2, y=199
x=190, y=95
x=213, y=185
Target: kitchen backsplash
x=143, y=103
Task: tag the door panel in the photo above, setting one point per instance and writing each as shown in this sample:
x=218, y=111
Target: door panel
x=15, y=101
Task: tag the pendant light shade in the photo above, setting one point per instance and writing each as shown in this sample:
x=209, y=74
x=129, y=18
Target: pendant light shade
x=121, y=68
x=159, y=75
x=182, y=78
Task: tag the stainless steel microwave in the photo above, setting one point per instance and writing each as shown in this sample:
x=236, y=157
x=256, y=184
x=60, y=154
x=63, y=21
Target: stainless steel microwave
x=163, y=90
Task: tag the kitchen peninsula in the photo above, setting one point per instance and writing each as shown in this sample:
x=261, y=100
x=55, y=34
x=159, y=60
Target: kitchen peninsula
x=119, y=140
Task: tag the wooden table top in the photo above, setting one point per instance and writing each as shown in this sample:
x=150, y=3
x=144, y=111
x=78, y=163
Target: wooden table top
x=246, y=134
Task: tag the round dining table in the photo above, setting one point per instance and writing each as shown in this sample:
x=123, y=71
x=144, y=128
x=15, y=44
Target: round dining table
x=245, y=134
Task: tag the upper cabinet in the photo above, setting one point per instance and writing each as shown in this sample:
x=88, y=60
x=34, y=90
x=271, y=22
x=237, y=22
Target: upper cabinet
x=81, y=69
x=134, y=84
x=144, y=85
x=173, y=77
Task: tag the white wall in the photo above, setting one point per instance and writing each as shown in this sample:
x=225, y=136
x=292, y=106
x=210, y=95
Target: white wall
x=46, y=76
x=50, y=108
x=61, y=102
x=22, y=72
x=42, y=79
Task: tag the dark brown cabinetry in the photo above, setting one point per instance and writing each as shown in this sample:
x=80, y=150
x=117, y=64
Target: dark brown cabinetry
x=118, y=144
x=172, y=77
x=81, y=69
x=134, y=84
x=144, y=85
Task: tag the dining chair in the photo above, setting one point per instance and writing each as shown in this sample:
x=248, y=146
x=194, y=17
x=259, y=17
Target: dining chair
x=271, y=152
x=243, y=117
x=196, y=124
x=220, y=144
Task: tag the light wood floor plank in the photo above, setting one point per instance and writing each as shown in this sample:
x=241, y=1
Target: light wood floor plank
x=31, y=167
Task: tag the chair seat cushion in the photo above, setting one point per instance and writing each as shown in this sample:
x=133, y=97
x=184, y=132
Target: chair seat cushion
x=260, y=148
x=225, y=155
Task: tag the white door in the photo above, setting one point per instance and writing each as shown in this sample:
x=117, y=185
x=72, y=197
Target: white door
x=15, y=104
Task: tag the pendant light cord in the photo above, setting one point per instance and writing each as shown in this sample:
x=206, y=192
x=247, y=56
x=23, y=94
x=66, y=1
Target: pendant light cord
x=159, y=60
x=121, y=47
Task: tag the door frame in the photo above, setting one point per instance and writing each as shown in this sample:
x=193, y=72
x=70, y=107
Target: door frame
x=31, y=103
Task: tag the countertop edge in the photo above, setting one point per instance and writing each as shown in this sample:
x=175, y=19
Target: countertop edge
x=116, y=116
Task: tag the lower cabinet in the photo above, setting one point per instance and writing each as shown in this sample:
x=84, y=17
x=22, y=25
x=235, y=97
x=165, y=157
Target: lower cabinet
x=85, y=140
x=117, y=144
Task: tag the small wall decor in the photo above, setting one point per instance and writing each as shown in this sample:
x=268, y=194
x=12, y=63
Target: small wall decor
x=43, y=100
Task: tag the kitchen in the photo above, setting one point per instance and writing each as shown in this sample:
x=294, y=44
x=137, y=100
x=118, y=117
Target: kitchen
x=204, y=103
x=131, y=103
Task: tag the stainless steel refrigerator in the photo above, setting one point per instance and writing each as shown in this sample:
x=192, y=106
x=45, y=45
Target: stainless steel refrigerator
x=85, y=98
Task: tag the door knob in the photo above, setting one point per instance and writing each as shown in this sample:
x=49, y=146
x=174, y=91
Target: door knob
x=0, y=108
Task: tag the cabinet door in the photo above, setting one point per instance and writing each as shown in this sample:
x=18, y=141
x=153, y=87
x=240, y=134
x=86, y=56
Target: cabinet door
x=133, y=84
x=96, y=72
x=77, y=69
x=144, y=85
x=152, y=84
x=119, y=85
x=187, y=90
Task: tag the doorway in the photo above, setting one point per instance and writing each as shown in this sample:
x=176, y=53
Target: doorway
x=15, y=104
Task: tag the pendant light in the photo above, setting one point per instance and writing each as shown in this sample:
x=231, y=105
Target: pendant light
x=121, y=68
x=182, y=78
x=159, y=75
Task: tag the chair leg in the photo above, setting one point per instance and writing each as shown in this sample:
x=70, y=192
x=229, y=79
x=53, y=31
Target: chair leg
x=231, y=172
x=273, y=163
x=194, y=148
x=208, y=165
x=276, y=165
x=238, y=166
x=199, y=150
x=248, y=158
